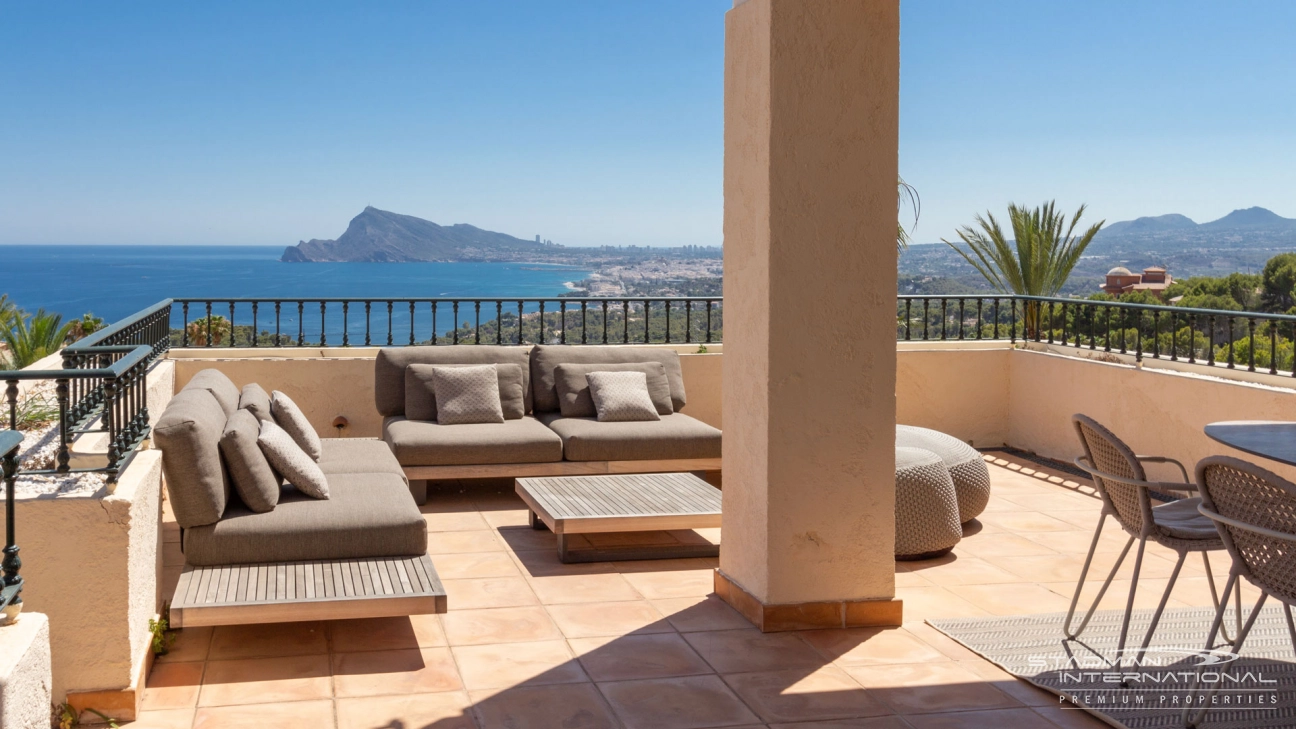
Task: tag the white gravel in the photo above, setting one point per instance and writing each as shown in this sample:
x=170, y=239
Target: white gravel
x=38, y=451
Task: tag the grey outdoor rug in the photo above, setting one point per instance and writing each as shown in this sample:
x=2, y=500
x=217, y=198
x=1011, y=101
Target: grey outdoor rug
x=1256, y=689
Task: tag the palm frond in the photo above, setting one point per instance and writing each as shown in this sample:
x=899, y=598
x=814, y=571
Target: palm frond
x=1039, y=259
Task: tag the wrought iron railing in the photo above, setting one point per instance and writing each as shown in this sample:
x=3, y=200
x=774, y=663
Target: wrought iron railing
x=1258, y=342
x=10, y=582
x=253, y=322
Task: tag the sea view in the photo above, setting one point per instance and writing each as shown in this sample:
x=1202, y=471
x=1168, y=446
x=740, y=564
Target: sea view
x=115, y=281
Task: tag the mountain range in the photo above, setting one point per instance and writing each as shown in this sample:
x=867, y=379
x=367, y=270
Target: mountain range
x=1249, y=219
x=383, y=237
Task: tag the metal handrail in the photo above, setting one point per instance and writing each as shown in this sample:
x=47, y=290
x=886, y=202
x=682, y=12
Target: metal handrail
x=11, y=583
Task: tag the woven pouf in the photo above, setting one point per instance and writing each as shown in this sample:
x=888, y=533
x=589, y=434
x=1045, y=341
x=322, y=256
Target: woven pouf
x=926, y=508
x=966, y=466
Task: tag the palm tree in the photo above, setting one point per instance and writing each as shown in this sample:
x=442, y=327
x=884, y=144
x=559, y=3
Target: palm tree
x=1039, y=259
x=909, y=193
x=80, y=328
x=33, y=337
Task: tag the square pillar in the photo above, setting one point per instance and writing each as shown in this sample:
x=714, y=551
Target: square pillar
x=811, y=139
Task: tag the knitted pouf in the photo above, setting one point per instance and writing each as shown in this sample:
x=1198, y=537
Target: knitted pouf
x=926, y=507
x=966, y=466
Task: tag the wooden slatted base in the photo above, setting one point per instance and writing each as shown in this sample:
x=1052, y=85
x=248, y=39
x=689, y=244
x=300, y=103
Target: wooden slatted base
x=318, y=590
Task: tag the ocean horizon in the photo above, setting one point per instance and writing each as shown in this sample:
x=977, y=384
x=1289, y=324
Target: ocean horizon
x=114, y=281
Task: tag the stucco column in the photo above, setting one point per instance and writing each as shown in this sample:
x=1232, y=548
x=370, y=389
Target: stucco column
x=811, y=118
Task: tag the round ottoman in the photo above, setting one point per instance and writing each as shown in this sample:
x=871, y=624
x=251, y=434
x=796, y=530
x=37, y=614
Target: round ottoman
x=926, y=508
x=966, y=466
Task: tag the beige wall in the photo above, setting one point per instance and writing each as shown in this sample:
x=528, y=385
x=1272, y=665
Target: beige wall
x=330, y=382
x=959, y=389
x=91, y=564
x=811, y=124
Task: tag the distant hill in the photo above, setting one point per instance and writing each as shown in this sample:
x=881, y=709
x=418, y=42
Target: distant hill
x=1157, y=224
x=1238, y=221
x=1251, y=219
x=384, y=237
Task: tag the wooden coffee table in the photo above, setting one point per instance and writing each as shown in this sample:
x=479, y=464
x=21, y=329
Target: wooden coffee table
x=571, y=505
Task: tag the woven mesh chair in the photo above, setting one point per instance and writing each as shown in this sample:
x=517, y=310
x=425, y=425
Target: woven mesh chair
x=1119, y=477
x=1255, y=512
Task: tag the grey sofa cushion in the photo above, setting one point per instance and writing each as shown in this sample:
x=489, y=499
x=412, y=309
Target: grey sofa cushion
x=367, y=515
x=420, y=399
x=467, y=395
x=358, y=455
x=674, y=436
x=220, y=386
x=420, y=443
x=188, y=434
x=255, y=400
x=293, y=421
x=288, y=458
x=546, y=358
x=575, y=401
x=390, y=364
x=255, y=481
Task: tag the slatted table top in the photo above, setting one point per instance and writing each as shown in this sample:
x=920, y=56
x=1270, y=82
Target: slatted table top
x=292, y=591
x=640, y=502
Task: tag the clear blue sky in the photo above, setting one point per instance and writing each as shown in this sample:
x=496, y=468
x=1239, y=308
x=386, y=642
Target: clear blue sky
x=594, y=123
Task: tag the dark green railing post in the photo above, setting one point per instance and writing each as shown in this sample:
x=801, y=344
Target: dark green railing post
x=11, y=583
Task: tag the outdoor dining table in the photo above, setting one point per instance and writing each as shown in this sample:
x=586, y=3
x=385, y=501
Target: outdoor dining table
x=1272, y=439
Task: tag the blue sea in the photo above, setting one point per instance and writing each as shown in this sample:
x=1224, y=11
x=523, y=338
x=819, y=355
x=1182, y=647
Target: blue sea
x=115, y=281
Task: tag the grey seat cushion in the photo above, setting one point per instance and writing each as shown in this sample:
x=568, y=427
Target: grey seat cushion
x=220, y=386
x=188, y=433
x=674, y=436
x=366, y=515
x=358, y=455
x=1182, y=520
x=390, y=364
x=546, y=358
x=255, y=481
x=420, y=443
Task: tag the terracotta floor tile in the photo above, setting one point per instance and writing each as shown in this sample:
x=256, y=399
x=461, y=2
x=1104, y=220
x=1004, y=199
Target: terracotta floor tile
x=447, y=710
x=544, y=563
x=983, y=545
x=930, y=687
x=163, y=719
x=591, y=619
x=499, y=625
x=665, y=565
x=1070, y=718
x=877, y=722
x=955, y=569
x=870, y=646
x=679, y=583
x=738, y=651
x=826, y=693
x=1031, y=521
x=1147, y=596
x=921, y=603
x=266, y=680
x=947, y=646
x=911, y=579
x=475, y=564
x=1009, y=599
x=172, y=686
x=454, y=521
x=676, y=703
x=692, y=614
x=583, y=588
x=522, y=538
x=507, y=665
x=489, y=592
x=622, y=658
x=1055, y=501
x=459, y=542
x=542, y=707
x=190, y=644
x=998, y=719
x=267, y=640
x=293, y=715
x=375, y=673
x=506, y=518
x=1078, y=541
x=1011, y=685
x=381, y=634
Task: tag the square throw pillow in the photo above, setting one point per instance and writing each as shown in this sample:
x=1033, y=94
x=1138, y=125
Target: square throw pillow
x=574, y=394
x=420, y=400
x=255, y=400
x=467, y=394
x=621, y=396
x=288, y=416
x=286, y=457
x=256, y=483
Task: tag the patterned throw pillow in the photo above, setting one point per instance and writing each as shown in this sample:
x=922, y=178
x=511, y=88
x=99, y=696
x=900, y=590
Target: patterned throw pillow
x=621, y=396
x=286, y=457
x=467, y=395
x=289, y=417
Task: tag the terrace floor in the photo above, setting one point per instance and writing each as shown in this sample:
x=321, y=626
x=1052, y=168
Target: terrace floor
x=530, y=642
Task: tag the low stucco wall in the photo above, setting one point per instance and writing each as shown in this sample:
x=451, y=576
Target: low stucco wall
x=330, y=382
x=25, y=673
x=962, y=390
x=91, y=564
